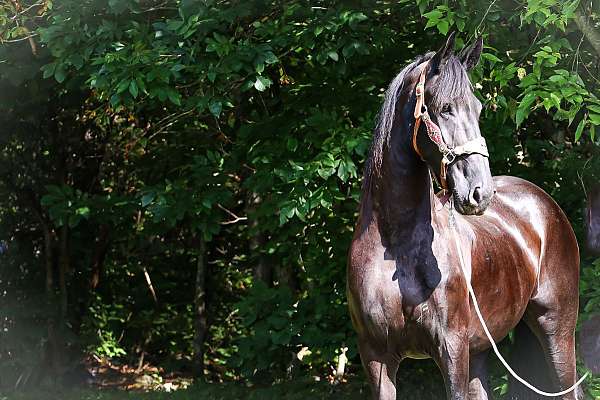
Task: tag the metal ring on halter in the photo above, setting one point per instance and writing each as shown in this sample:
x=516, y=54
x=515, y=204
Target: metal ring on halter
x=449, y=157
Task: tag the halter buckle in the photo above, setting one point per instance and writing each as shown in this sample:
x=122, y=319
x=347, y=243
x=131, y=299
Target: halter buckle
x=424, y=113
x=419, y=89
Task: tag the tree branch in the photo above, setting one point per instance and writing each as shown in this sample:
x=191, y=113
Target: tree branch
x=235, y=219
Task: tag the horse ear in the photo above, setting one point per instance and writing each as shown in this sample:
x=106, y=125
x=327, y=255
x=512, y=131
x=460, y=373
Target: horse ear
x=442, y=55
x=469, y=57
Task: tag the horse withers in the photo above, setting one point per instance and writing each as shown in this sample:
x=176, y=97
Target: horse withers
x=407, y=292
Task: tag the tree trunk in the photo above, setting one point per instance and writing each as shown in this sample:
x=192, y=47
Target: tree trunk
x=588, y=29
x=262, y=271
x=287, y=276
x=49, y=262
x=200, y=319
x=52, y=360
x=64, y=261
x=99, y=255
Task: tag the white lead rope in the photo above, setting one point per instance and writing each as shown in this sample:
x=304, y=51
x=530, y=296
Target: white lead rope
x=452, y=223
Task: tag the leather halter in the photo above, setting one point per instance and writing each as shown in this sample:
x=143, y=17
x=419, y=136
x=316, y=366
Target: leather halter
x=449, y=154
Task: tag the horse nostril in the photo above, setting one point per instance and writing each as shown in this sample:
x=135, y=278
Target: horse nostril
x=476, y=196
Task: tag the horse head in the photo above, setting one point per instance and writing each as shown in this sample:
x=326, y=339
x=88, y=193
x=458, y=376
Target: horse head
x=450, y=104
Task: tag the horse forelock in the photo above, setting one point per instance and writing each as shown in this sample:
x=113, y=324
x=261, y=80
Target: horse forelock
x=452, y=84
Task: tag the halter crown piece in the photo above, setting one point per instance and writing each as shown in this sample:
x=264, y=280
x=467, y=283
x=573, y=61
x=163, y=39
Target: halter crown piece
x=449, y=154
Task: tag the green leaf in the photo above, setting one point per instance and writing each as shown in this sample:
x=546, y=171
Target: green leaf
x=60, y=74
x=422, y=5
x=490, y=57
x=333, y=55
x=83, y=211
x=593, y=107
x=555, y=99
x=443, y=27
x=259, y=67
x=48, y=70
x=431, y=22
x=122, y=86
x=174, y=96
x=133, y=89
x=115, y=100
x=579, y=129
x=215, y=107
x=595, y=118
x=527, y=100
x=148, y=198
x=520, y=116
x=262, y=83
x=435, y=14
x=177, y=67
x=270, y=58
x=292, y=143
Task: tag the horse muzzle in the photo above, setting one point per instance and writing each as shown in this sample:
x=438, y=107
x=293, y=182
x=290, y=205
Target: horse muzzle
x=475, y=204
x=471, y=196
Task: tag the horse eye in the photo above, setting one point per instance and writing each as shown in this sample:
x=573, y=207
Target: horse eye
x=446, y=109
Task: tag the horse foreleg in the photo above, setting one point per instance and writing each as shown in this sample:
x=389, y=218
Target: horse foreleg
x=381, y=368
x=453, y=361
x=479, y=388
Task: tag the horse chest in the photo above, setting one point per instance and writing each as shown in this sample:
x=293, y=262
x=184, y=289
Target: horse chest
x=416, y=280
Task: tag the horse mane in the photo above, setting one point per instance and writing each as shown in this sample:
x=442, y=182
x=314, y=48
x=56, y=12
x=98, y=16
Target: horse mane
x=452, y=84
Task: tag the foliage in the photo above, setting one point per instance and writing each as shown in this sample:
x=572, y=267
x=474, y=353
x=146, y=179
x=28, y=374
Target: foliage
x=134, y=131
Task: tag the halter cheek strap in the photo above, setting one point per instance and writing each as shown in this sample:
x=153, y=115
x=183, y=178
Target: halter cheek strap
x=449, y=154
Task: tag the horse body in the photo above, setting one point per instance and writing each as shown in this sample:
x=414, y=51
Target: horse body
x=407, y=302
x=407, y=292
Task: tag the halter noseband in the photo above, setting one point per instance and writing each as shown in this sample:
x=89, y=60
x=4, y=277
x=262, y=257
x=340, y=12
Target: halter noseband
x=449, y=154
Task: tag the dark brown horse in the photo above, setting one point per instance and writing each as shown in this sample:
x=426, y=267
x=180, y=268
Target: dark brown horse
x=406, y=291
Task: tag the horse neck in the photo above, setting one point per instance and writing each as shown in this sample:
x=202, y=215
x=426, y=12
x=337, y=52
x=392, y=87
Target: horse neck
x=399, y=198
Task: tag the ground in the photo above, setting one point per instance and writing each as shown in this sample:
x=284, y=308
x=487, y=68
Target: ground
x=299, y=390
x=418, y=380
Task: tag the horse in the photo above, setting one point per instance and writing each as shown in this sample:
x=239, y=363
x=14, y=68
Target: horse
x=407, y=292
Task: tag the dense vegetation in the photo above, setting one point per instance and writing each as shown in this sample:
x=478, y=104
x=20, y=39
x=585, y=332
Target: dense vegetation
x=180, y=178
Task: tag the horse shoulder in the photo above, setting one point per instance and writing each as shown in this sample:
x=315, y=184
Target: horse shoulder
x=373, y=297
